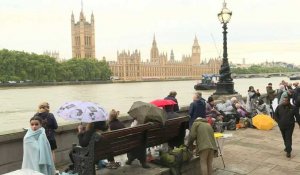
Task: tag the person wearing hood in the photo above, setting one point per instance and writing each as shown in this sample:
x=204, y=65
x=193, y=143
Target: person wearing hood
x=49, y=124
x=197, y=108
x=206, y=145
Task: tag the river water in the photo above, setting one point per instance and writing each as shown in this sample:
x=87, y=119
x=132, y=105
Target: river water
x=18, y=105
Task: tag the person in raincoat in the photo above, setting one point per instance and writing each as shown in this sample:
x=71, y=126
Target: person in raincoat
x=285, y=115
x=37, y=154
x=206, y=145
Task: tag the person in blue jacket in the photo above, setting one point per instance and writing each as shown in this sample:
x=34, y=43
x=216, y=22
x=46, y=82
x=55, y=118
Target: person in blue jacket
x=197, y=108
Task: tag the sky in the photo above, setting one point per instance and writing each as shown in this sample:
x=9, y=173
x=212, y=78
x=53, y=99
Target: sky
x=259, y=30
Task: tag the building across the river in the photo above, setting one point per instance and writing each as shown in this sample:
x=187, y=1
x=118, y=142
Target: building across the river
x=83, y=37
x=54, y=54
x=130, y=67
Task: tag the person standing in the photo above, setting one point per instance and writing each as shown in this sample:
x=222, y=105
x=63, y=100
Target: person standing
x=206, y=145
x=173, y=108
x=270, y=97
x=49, y=124
x=251, y=98
x=36, y=149
x=285, y=115
x=288, y=93
x=296, y=96
x=197, y=108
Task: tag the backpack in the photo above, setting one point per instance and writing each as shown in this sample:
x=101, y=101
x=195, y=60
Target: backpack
x=218, y=127
x=231, y=125
x=176, y=157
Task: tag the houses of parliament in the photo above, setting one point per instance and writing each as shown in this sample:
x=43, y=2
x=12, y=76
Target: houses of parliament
x=130, y=66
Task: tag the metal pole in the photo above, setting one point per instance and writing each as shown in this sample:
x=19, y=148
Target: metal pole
x=225, y=55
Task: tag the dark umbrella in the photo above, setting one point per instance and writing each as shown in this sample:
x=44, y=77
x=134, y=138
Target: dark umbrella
x=144, y=112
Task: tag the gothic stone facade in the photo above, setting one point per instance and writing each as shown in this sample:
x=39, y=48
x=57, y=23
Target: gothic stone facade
x=130, y=67
x=83, y=37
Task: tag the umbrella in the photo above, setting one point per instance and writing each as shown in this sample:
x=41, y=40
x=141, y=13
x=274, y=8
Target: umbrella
x=82, y=111
x=263, y=122
x=144, y=112
x=163, y=102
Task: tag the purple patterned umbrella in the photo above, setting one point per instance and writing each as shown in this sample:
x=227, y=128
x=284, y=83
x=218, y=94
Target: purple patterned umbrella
x=82, y=111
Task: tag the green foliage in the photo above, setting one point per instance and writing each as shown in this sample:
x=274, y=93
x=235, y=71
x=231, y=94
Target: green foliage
x=21, y=66
x=256, y=69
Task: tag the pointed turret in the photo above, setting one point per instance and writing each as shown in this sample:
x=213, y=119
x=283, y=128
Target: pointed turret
x=92, y=18
x=172, y=57
x=196, y=42
x=154, y=42
x=82, y=18
x=154, y=54
x=72, y=18
x=196, y=52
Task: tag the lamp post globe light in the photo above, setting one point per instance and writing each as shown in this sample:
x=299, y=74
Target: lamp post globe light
x=225, y=85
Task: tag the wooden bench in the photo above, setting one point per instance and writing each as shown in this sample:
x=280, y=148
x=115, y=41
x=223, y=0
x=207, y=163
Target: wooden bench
x=122, y=141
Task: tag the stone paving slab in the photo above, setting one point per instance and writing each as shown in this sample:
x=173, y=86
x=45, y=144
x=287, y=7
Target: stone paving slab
x=256, y=152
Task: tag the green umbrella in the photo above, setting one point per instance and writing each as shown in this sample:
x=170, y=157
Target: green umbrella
x=146, y=112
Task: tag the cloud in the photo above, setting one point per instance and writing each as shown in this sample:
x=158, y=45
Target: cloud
x=258, y=29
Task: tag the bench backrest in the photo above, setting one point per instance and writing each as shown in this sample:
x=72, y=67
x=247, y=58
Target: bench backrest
x=120, y=141
x=161, y=134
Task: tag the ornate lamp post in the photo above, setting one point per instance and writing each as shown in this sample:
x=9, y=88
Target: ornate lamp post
x=225, y=86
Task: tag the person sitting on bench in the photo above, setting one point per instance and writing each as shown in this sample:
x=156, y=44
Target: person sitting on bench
x=85, y=135
x=114, y=124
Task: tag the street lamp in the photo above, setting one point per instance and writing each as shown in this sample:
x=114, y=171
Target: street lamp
x=225, y=86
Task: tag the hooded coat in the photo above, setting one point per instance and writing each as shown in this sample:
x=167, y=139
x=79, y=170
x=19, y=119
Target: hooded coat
x=203, y=133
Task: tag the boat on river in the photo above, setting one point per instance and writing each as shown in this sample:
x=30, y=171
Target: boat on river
x=208, y=82
x=295, y=77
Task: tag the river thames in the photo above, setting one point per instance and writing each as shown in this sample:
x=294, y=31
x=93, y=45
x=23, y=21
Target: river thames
x=18, y=105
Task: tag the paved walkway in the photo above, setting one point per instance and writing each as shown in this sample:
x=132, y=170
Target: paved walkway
x=256, y=152
x=249, y=151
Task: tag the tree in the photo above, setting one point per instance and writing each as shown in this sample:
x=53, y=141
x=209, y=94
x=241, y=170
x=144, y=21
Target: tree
x=16, y=65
